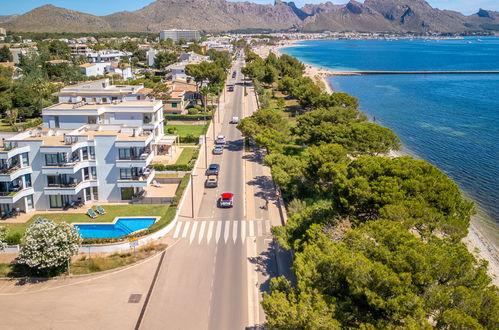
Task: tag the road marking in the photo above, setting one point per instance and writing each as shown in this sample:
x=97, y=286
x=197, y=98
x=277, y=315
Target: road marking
x=252, y=278
x=177, y=229
x=243, y=231
x=193, y=232
x=226, y=233
x=234, y=231
x=251, y=225
x=201, y=232
x=219, y=231
x=186, y=229
x=259, y=228
x=210, y=231
x=267, y=226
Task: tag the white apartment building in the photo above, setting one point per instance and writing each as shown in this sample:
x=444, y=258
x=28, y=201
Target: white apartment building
x=107, y=68
x=108, y=55
x=176, y=35
x=95, y=145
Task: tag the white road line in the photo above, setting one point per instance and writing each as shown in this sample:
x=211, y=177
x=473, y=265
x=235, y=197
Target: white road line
x=243, y=231
x=210, y=231
x=201, y=231
x=219, y=231
x=251, y=226
x=177, y=229
x=234, y=231
x=186, y=229
x=193, y=232
x=253, y=292
x=258, y=228
x=267, y=226
x=226, y=231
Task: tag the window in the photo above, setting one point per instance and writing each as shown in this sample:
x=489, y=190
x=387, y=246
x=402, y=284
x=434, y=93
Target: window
x=124, y=153
x=52, y=180
x=29, y=202
x=92, y=120
x=27, y=180
x=55, y=201
x=96, y=193
x=104, y=99
x=56, y=122
x=93, y=171
x=84, y=152
x=25, y=159
x=51, y=159
x=126, y=194
x=92, y=152
x=125, y=173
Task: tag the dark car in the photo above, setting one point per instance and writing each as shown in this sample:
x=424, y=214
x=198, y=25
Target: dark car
x=226, y=200
x=234, y=74
x=213, y=169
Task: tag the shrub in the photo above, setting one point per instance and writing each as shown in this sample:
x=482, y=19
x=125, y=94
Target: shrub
x=13, y=238
x=196, y=117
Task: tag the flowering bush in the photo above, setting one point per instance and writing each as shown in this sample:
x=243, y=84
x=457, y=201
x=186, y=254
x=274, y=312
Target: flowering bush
x=49, y=245
x=3, y=233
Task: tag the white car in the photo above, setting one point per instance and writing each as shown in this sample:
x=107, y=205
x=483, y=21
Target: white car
x=218, y=149
x=220, y=140
x=235, y=120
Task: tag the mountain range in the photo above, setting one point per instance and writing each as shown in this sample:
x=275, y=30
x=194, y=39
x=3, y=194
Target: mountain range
x=221, y=15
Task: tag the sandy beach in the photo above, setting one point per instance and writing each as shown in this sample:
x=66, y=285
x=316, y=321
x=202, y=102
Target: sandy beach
x=476, y=242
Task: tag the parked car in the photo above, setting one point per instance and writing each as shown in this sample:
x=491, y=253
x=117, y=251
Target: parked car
x=211, y=181
x=234, y=74
x=230, y=88
x=218, y=149
x=226, y=200
x=213, y=169
x=234, y=120
x=220, y=140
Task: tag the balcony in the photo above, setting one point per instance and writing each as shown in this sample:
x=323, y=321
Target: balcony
x=13, y=195
x=137, y=181
x=143, y=160
x=72, y=188
x=14, y=173
x=67, y=167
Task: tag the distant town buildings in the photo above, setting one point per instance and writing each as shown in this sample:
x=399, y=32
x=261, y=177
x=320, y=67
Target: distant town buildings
x=176, y=35
x=3, y=32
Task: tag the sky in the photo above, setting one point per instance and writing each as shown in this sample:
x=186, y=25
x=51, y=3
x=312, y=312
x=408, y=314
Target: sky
x=100, y=7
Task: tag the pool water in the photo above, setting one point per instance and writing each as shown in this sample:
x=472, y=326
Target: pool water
x=122, y=227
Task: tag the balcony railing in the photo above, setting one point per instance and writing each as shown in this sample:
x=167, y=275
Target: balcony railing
x=142, y=156
x=9, y=169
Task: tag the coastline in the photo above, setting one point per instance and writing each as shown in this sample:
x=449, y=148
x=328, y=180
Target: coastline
x=476, y=241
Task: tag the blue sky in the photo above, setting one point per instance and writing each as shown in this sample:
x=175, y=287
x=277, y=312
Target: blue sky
x=104, y=7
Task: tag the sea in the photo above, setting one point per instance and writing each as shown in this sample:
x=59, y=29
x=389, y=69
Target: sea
x=450, y=120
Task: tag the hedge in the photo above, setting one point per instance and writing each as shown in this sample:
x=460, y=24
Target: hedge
x=196, y=117
x=172, y=167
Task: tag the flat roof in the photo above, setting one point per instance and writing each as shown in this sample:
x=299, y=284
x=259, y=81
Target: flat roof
x=125, y=104
x=58, y=140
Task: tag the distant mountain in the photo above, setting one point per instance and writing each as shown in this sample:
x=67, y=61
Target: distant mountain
x=6, y=18
x=221, y=15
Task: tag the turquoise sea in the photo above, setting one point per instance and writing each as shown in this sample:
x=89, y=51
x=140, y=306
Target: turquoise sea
x=451, y=121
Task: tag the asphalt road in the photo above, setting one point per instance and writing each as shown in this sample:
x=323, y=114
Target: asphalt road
x=203, y=283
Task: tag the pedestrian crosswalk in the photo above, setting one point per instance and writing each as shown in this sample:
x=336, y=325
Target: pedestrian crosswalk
x=226, y=231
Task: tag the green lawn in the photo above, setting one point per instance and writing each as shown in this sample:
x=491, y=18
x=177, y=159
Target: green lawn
x=112, y=211
x=184, y=130
x=186, y=156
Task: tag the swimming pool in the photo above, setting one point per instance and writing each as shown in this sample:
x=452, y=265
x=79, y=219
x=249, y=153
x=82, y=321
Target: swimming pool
x=120, y=227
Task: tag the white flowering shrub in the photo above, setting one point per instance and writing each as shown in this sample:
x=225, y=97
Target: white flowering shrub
x=3, y=233
x=49, y=245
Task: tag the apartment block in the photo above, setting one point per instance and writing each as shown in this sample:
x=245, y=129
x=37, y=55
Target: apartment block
x=95, y=146
x=176, y=35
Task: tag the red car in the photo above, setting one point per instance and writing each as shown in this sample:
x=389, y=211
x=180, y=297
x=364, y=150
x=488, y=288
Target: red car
x=226, y=200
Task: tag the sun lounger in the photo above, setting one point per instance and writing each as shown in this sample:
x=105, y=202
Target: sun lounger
x=156, y=184
x=91, y=213
x=100, y=210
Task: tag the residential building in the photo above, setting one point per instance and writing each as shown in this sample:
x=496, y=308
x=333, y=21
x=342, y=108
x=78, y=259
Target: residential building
x=104, y=56
x=94, y=151
x=79, y=49
x=192, y=57
x=176, y=104
x=107, y=68
x=3, y=32
x=177, y=35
